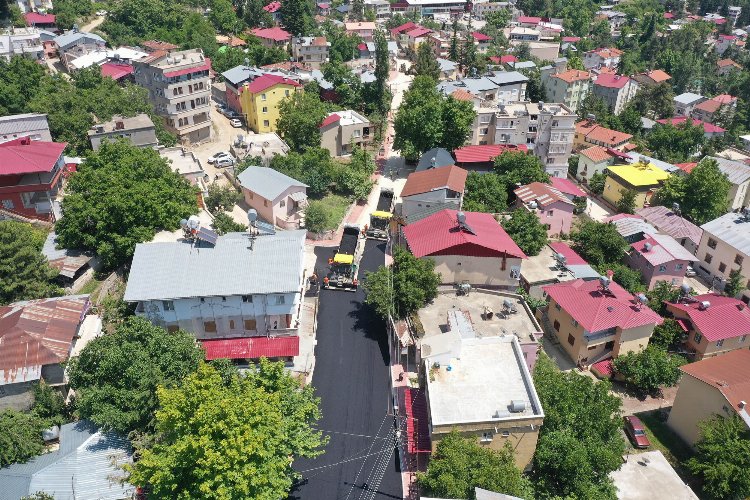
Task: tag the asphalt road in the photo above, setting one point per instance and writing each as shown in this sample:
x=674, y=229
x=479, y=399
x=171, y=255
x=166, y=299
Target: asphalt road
x=351, y=378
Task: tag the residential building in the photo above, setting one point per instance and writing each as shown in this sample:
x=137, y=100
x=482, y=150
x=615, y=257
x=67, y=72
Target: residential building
x=99, y=56
x=87, y=463
x=459, y=397
x=448, y=70
x=276, y=197
x=726, y=66
x=615, y=90
x=139, y=130
x=435, y=158
x=554, y=210
x=260, y=100
x=652, y=77
x=659, y=257
x=342, y=130
x=398, y=32
x=568, y=87
x=714, y=324
x=684, y=103
x=481, y=8
x=631, y=227
x=74, y=44
x=716, y=386
x=602, y=57
x=365, y=30
x=555, y=263
x=31, y=174
x=466, y=246
x=153, y=46
x=568, y=188
x=519, y=33
x=33, y=5
x=589, y=133
x=179, y=88
x=31, y=125
x=668, y=222
x=36, y=336
x=442, y=185
x=500, y=87
x=272, y=37
x=417, y=36
x=429, y=8
x=481, y=158
x=24, y=42
x=119, y=72
x=719, y=108
x=542, y=50
x=234, y=79
x=595, y=160
x=274, y=8
x=311, y=50
x=709, y=130
x=188, y=285
x=647, y=475
x=643, y=178
x=738, y=174
x=725, y=246
x=381, y=8
x=188, y=165
x=74, y=266
x=598, y=319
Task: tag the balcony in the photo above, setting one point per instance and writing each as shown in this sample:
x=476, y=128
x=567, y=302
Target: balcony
x=600, y=335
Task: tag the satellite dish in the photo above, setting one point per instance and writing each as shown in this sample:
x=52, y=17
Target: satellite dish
x=252, y=216
x=685, y=289
x=193, y=222
x=642, y=298
x=247, y=62
x=183, y=223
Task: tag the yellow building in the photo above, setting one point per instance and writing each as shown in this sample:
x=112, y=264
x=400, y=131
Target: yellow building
x=260, y=101
x=643, y=178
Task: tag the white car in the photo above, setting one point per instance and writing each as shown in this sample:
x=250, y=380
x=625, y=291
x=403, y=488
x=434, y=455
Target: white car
x=224, y=162
x=690, y=272
x=235, y=122
x=219, y=156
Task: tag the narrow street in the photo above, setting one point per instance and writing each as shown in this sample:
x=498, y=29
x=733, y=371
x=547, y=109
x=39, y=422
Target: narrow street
x=352, y=379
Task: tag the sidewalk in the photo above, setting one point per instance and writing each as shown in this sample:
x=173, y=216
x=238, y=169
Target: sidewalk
x=304, y=363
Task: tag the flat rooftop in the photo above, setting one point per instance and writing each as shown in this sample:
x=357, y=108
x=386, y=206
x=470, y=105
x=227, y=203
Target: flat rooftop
x=480, y=382
x=350, y=117
x=182, y=161
x=543, y=268
x=139, y=121
x=648, y=475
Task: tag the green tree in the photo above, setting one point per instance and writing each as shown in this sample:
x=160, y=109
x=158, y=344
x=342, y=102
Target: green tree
x=24, y=272
x=654, y=101
x=49, y=404
x=460, y=464
x=223, y=223
x=630, y=279
x=535, y=91
x=316, y=217
x=231, y=440
x=116, y=376
x=666, y=335
x=518, y=167
x=297, y=17
x=626, y=203
x=382, y=71
x=224, y=18
x=457, y=117
x=485, y=193
x=221, y=197
x=454, y=50
x=723, y=457
x=16, y=89
x=426, y=63
x=598, y=243
x=300, y=116
x=21, y=438
x=68, y=12
x=355, y=178
x=596, y=183
x=735, y=284
x=39, y=495
x=314, y=167
x=702, y=194
x=253, y=13
x=580, y=442
x=121, y=196
x=404, y=288
x=662, y=292
x=675, y=143
x=650, y=369
x=525, y=229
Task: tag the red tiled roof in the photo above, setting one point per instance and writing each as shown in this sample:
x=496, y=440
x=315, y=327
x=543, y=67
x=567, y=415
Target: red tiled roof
x=504, y=59
x=362, y=46
x=605, y=368
x=463, y=95
x=37, y=18
x=571, y=39
x=607, y=52
x=440, y=234
x=543, y=194
x=657, y=75
x=529, y=20
x=451, y=177
x=596, y=153
x=571, y=257
x=116, y=71
x=417, y=32
x=480, y=37
x=485, y=152
x=37, y=333
x=709, y=106
x=729, y=373
x=611, y=81
x=567, y=186
x=596, y=310
x=276, y=34
x=206, y=66
x=668, y=15
x=607, y=136
x=404, y=28
x=724, y=99
x=272, y=7
x=24, y=156
x=251, y=348
x=573, y=75
x=727, y=62
x=687, y=167
x=267, y=81
x=332, y=118
x=725, y=318
x=709, y=128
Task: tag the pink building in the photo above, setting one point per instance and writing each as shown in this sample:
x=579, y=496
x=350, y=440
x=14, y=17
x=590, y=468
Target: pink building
x=659, y=257
x=365, y=30
x=272, y=37
x=278, y=198
x=554, y=209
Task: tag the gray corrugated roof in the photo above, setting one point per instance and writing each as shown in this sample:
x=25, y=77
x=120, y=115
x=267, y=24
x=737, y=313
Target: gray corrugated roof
x=83, y=463
x=736, y=171
x=241, y=74
x=442, y=158
x=670, y=223
x=446, y=64
x=508, y=77
x=71, y=38
x=732, y=229
x=687, y=98
x=15, y=124
x=267, y=182
x=181, y=269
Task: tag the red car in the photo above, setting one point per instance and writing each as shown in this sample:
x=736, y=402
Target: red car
x=636, y=432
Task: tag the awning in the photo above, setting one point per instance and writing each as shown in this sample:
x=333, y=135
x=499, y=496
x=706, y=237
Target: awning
x=417, y=421
x=298, y=196
x=382, y=215
x=683, y=324
x=341, y=258
x=251, y=348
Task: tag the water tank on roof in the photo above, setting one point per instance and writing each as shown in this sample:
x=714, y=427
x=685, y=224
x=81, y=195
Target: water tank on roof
x=517, y=405
x=51, y=434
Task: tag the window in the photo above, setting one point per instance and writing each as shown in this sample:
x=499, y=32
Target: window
x=550, y=213
x=247, y=299
x=8, y=204
x=167, y=305
x=743, y=339
x=250, y=324
x=357, y=133
x=172, y=328
x=722, y=267
x=708, y=258
x=280, y=300
x=697, y=338
x=209, y=326
x=591, y=348
x=556, y=326
x=574, y=323
x=250, y=194
x=505, y=434
x=266, y=123
x=719, y=343
x=557, y=306
x=711, y=243
x=265, y=203
x=738, y=259
x=263, y=97
x=662, y=268
x=265, y=109
x=571, y=339
x=286, y=93
x=678, y=267
x=486, y=437
x=231, y=324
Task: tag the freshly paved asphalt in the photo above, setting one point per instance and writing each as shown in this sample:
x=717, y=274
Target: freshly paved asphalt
x=351, y=378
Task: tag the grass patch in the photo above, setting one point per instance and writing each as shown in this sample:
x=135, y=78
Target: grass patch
x=333, y=207
x=90, y=287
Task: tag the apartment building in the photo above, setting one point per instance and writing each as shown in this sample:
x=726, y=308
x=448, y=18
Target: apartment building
x=554, y=210
x=342, y=129
x=499, y=87
x=365, y=30
x=684, y=103
x=311, y=50
x=589, y=133
x=179, y=88
x=31, y=125
x=615, y=90
x=24, y=42
x=670, y=222
x=725, y=246
x=139, y=130
x=547, y=129
x=738, y=174
x=381, y=8
x=642, y=177
x=260, y=99
x=74, y=44
x=659, y=257
x=602, y=57
x=568, y=87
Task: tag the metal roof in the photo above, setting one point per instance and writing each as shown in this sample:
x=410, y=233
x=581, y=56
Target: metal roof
x=631, y=225
x=182, y=269
x=74, y=37
x=687, y=98
x=68, y=262
x=251, y=348
x=670, y=223
x=732, y=229
x=85, y=466
x=442, y=158
x=267, y=182
x=724, y=318
x=736, y=171
x=448, y=177
x=662, y=249
x=15, y=124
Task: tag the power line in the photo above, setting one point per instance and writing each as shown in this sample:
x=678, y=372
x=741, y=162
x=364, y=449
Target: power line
x=385, y=417
x=349, y=434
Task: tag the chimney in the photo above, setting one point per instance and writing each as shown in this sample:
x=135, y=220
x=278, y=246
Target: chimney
x=119, y=125
x=742, y=404
x=25, y=141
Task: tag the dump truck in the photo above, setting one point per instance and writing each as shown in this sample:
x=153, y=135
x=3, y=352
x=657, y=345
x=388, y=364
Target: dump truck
x=381, y=217
x=344, y=266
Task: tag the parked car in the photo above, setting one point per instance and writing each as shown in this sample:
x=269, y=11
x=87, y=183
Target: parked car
x=235, y=122
x=224, y=161
x=636, y=431
x=690, y=272
x=219, y=156
x=221, y=108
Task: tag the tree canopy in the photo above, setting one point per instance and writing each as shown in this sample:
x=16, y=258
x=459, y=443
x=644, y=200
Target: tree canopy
x=21, y=437
x=520, y=168
x=121, y=195
x=485, y=193
x=235, y=438
x=525, y=229
x=426, y=63
x=300, y=116
x=24, y=272
x=650, y=369
x=675, y=143
x=598, y=243
x=297, y=17
x=115, y=376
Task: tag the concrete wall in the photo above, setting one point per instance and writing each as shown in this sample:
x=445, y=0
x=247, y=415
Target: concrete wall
x=613, y=190
x=632, y=339
x=695, y=401
x=487, y=271
x=558, y=216
x=722, y=254
x=587, y=168
x=271, y=210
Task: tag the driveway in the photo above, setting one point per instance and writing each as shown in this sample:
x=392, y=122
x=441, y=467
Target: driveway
x=352, y=379
x=222, y=136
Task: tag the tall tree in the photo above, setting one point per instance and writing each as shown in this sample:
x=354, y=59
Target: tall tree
x=626, y=203
x=735, y=284
x=297, y=17
x=24, y=272
x=485, y=193
x=457, y=117
x=520, y=168
x=650, y=369
x=426, y=63
x=599, y=243
x=230, y=438
x=300, y=116
x=526, y=230
x=675, y=144
x=21, y=438
x=382, y=71
x=468, y=59
x=702, y=194
x=454, y=51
